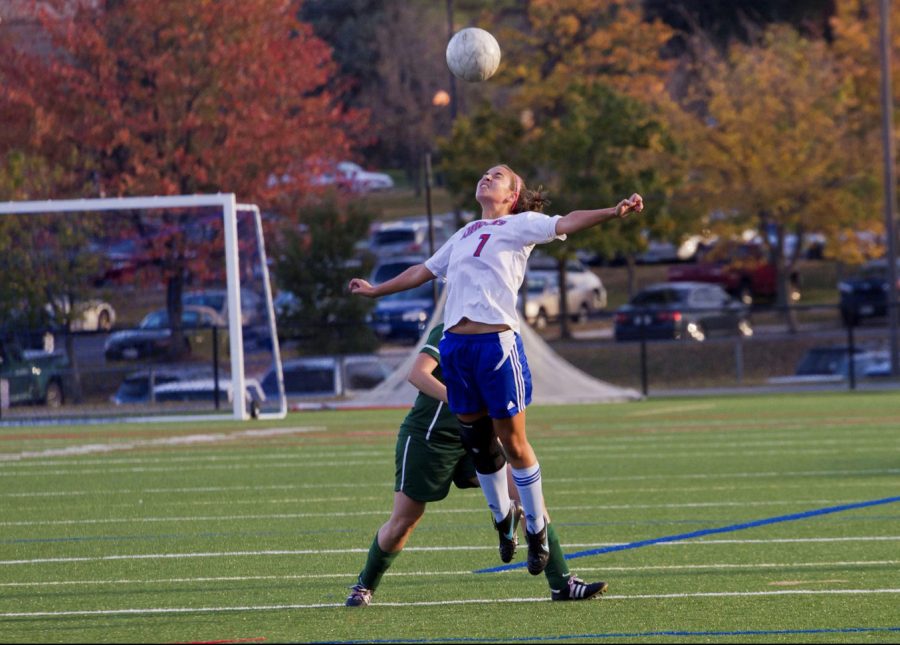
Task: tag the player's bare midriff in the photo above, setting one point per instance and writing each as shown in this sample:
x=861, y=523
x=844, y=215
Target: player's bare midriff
x=466, y=326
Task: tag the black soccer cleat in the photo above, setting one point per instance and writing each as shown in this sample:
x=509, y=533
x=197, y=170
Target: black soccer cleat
x=538, y=550
x=578, y=589
x=508, y=531
x=359, y=597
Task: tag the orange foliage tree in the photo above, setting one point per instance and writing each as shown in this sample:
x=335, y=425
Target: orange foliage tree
x=171, y=97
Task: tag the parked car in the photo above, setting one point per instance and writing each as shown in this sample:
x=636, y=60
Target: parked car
x=579, y=278
x=33, y=376
x=741, y=268
x=351, y=176
x=866, y=294
x=90, y=315
x=203, y=390
x=138, y=386
x=836, y=361
x=153, y=336
x=251, y=303
x=542, y=300
x=394, y=266
x=833, y=363
x=681, y=310
x=327, y=376
x=406, y=237
x=122, y=260
x=403, y=316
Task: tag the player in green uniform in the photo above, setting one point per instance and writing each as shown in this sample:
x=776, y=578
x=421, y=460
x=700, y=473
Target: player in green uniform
x=429, y=457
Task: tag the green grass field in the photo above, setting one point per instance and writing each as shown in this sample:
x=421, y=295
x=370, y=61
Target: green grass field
x=253, y=532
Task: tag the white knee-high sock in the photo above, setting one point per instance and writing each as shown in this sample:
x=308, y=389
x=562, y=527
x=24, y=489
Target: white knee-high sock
x=528, y=481
x=496, y=492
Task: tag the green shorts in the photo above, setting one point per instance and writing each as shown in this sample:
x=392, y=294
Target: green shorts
x=425, y=467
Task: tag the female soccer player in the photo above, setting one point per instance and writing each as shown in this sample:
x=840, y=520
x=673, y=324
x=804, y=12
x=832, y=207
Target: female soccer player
x=484, y=363
x=429, y=457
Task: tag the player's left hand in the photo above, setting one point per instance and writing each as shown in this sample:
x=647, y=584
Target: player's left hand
x=634, y=204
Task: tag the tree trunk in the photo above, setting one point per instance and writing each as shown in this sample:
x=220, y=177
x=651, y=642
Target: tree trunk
x=782, y=279
x=632, y=274
x=565, y=330
x=175, y=308
x=77, y=390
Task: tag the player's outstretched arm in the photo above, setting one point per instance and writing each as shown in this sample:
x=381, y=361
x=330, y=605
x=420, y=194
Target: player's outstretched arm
x=409, y=279
x=582, y=219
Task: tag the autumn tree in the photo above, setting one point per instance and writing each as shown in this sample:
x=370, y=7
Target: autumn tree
x=772, y=147
x=174, y=97
x=856, y=45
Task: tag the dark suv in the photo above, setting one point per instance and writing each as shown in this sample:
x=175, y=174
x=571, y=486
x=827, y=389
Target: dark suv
x=866, y=294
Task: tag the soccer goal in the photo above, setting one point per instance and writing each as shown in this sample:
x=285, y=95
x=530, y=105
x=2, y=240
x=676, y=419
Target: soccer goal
x=137, y=308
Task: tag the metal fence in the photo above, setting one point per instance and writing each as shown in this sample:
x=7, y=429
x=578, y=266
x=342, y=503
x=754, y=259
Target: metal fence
x=802, y=347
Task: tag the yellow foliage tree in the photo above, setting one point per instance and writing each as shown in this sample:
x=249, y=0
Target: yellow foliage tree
x=857, y=49
x=776, y=145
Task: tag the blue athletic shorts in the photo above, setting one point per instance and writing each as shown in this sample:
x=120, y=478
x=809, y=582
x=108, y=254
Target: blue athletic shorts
x=486, y=372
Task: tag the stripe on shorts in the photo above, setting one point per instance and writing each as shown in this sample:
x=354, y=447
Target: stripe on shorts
x=520, y=379
x=403, y=467
x=437, y=413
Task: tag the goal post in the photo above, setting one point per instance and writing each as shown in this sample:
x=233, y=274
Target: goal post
x=231, y=212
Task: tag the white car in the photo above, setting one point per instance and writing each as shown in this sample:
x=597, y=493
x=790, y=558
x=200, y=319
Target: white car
x=89, y=315
x=542, y=300
x=354, y=177
x=201, y=393
x=586, y=284
x=251, y=303
x=406, y=237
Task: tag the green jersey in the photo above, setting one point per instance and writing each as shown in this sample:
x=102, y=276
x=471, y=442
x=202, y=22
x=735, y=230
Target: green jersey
x=428, y=415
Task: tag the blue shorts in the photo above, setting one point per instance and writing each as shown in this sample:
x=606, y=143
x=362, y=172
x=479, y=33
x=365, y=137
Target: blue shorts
x=486, y=372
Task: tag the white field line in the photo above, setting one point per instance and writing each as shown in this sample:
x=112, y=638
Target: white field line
x=190, y=466
x=182, y=440
x=417, y=574
x=437, y=511
x=433, y=603
x=565, y=443
x=550, y=480
x=673, y=409
x=305, y=458
x=412, y=549
x=557, y=494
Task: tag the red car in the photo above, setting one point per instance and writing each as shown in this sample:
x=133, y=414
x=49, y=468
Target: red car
x=743, y=269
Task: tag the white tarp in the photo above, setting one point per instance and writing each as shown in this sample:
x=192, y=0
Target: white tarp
x=555, y=381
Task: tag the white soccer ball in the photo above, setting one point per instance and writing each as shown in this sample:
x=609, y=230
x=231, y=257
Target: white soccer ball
x=473, y=54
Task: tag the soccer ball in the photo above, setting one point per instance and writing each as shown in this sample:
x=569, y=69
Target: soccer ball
x=473, y=54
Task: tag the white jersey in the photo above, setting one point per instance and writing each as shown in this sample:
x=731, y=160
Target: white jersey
x=484, y=265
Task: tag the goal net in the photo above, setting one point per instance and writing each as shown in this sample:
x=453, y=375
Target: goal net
x=138, y=308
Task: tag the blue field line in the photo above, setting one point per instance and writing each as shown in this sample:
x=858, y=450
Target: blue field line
x=621, y=635
x=721, y=529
